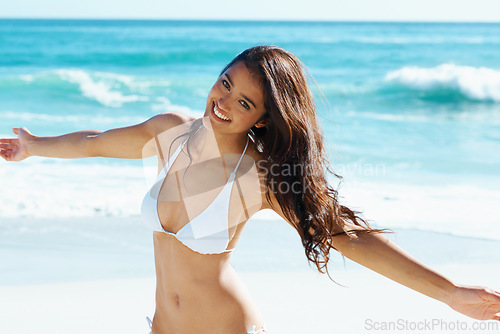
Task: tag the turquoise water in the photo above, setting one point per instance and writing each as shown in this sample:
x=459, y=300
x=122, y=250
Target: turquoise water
x=408, y=109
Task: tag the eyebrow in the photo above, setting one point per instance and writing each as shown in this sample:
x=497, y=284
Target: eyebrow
x=244, y=96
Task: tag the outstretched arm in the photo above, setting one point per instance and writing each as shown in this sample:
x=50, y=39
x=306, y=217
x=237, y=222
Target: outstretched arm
x=132, y=142
x=381, y=255
x=378, y=253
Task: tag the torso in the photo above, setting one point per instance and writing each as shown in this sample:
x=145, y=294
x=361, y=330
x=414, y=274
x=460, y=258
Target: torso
x=200, y=293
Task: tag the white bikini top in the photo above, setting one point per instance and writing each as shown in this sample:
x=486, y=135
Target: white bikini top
x=208, y=232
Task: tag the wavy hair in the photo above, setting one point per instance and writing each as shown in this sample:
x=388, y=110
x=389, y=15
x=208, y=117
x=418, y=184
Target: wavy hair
x=295, y=160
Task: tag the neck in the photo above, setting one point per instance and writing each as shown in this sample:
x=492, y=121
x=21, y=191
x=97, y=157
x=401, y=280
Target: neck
x=210, y=143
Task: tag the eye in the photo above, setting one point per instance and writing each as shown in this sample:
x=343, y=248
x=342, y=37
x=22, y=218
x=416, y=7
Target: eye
x=226, y=84
x=244, y=104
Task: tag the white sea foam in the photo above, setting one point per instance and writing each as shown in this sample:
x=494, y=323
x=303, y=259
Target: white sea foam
x=476, y=83
x=42, y=188
x=459, y=208
x=164, y=105
x=45, y=188
x=107, y=88
x=479, y=113
x=391, y=117
x=125, y=79
x=27, y=78
x=29, y=116
x=98, y=89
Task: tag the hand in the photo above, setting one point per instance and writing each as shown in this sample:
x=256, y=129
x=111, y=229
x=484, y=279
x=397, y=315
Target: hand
x=16, y=149
x=476, y=302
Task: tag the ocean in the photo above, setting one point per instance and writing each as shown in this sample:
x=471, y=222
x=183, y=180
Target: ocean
x=410, y=112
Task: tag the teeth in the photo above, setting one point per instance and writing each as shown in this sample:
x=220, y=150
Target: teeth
x=219, y=114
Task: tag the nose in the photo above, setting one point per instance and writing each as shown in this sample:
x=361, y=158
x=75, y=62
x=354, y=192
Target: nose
x=223, y=102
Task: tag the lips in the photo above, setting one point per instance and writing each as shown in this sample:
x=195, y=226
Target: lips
x=219, y=115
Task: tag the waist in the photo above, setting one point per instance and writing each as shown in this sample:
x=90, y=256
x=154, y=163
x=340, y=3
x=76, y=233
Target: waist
x=191, y=294
x=190, y=307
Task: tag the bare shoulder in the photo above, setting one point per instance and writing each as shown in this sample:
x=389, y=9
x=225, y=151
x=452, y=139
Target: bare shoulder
x=267, y=197
x=256, y=159
x=169, y=120
x=161, y=130
x=272, y=203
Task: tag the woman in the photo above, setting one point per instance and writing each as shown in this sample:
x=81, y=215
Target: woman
x=258, y=146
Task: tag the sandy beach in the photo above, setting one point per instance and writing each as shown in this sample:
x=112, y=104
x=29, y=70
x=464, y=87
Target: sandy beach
x=290, y=302
x=293, y=298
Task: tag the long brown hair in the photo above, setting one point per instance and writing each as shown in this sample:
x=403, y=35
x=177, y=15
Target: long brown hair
x=292, y=146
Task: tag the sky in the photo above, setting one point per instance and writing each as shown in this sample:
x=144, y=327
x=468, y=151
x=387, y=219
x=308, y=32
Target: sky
x=334, y=10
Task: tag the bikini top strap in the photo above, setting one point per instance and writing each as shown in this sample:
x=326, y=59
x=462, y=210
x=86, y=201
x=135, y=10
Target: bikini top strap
x=180, y=147
x=241, y=157
x=171, y=159
x=167, y=166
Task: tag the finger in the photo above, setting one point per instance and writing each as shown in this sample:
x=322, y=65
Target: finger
x=5, y=145
x=9, y=140
x=4, y=154
x=15, y=130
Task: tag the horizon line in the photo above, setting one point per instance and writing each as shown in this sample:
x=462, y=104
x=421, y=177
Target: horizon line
x=291, y=20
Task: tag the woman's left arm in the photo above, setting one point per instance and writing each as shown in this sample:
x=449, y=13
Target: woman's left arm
x=381, y=255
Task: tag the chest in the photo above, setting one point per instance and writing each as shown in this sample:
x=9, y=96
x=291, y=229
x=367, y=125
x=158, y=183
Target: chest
x=194, y=187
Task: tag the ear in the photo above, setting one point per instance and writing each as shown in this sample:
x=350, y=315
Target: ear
x=262, y=123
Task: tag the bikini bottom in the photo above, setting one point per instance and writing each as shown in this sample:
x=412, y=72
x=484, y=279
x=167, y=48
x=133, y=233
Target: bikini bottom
x=252, y=330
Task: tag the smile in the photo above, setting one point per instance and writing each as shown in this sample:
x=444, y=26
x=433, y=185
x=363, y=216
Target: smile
x=220, y=115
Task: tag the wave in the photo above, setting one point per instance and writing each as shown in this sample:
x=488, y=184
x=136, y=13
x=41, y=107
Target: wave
x=161, y=104
x=413, y=118
x=76, y=189
x=76, y=86
x=479, y=113
x=108, y=89
x=449, y=81
x=100, y=88
x=165, y=105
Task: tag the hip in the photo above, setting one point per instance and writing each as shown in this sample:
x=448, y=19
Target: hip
x=253, y=330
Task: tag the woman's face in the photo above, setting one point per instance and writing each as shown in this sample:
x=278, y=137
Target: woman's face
x=236, y=101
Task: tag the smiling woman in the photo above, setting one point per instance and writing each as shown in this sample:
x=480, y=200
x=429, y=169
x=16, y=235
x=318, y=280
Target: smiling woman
x=237, y=97
x=217, y=171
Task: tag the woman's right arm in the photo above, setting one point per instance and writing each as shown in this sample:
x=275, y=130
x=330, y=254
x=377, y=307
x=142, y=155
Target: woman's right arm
x=131, y=142
x=376, y=252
